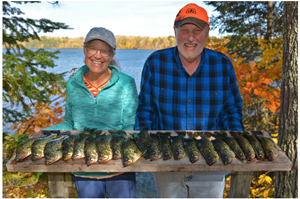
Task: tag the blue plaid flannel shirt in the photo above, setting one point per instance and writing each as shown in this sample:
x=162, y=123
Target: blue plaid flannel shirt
x=171, y=99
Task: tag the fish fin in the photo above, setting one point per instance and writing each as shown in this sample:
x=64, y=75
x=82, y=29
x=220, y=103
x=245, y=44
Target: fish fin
x=256, y=132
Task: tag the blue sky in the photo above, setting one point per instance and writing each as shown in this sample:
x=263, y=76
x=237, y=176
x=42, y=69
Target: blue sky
x=130, y=18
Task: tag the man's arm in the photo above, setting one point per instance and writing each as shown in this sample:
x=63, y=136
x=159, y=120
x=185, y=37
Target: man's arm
x=146, y=117
x=232, y=117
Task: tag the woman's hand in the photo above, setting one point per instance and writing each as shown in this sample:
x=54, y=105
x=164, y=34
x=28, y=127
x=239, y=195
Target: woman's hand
x=37, y=132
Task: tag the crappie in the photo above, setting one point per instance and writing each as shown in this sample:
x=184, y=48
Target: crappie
x=78, y=151
x=155, y=148
x=68, y=147
x=166, y=145
x=142, y=140
x=177, y=147
x=191, y=148
x=258, y=149
x=269, y=147
x=90, y=150
x=130, y=152
x=37, y=148
x=207, y=150
x=244, y=144
x=223, y=150
x=53, y=150
x=104, y=148
x=24, y=149
x=116, y=144
x=233, y=144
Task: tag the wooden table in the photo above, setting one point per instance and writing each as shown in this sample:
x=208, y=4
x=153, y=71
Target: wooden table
x=59, y=177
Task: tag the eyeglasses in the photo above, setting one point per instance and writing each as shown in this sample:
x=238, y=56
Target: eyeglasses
x=92, y=50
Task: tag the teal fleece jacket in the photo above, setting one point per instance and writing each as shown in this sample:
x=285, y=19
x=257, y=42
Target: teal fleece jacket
x=113, y=109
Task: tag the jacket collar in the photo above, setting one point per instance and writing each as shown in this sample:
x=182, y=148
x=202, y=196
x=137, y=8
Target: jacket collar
x=78, y=77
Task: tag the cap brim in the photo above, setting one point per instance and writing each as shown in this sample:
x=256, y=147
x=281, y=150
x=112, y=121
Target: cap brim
x=198, y=22
x=102, y=39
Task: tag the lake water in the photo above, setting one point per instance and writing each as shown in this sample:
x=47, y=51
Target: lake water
x=131, y=63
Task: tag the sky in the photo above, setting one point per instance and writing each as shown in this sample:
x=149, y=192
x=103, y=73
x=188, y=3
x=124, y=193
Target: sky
x=127, y=18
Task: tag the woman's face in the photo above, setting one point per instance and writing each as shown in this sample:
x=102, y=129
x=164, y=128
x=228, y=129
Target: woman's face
x=97, y=56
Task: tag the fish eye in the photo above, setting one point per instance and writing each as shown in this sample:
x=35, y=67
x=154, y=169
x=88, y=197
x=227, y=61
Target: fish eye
x=101, y=154
x=126, y=159
x=192, y=155
x=153, y=152
x=241, y=154
x=226, y=156
x=209, y=158
x=177, y=152
x=116, y=152
x=166, y=153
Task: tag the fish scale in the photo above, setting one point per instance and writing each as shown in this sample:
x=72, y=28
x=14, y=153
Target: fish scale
x=53, y=150
x=130, y=152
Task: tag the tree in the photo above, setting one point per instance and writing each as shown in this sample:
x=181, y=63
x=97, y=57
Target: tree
x=245, y=22
x=286, y=184
x=25, y=77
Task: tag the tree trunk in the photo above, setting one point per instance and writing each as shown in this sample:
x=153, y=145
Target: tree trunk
x=286, y=183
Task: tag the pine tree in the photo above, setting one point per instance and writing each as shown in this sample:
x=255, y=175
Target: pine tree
x=245, y=22
x=25, y=77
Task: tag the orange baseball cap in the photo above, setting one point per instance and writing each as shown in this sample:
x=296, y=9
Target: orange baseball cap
x=192, y=13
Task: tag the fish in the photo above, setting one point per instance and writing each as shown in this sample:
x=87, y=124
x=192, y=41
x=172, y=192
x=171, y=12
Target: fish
x=24, y=149
x=68, y=147
x=270, y=148
x=224, y=151
x=78, y=151
x=233, y=144
x=90, y=150
x=166, y=145
x=53, y=150
x=142, y=140
x=37, y=148
x=244, y=144
x=191, y=148
x=207, y=150
x=258, y=149
x=177, y=147
x=155, y=147
x=116, y=144
x=104, y=148
x=130, y=152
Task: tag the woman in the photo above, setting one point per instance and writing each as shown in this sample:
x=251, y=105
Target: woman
x=99, y=96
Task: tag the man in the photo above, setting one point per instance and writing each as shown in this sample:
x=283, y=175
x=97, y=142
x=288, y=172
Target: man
x=189, y=87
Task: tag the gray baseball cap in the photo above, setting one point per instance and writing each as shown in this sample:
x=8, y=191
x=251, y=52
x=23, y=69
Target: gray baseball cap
x=103, y=34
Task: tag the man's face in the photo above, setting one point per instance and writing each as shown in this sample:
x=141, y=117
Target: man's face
x=191, y=40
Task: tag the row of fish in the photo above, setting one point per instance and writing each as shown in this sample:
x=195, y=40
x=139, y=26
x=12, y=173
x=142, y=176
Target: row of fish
x=95, y=146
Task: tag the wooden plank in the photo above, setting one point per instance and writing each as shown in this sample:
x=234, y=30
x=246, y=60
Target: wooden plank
x=240, y=184
x=281, y=163
x=57, y=186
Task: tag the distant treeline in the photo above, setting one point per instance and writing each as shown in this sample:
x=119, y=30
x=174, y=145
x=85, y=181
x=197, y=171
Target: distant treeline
x=123, y=42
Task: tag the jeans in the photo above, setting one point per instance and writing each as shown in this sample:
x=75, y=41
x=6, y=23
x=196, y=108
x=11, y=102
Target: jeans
x=121, y=186
x=190, y=184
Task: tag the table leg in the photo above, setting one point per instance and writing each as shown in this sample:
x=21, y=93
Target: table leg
x=240, y=184
x=58, y=185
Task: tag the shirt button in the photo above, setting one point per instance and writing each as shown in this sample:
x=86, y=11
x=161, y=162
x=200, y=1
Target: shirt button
x=190, y=100
x=190, y=121
x=216, y=93
x=190, y=79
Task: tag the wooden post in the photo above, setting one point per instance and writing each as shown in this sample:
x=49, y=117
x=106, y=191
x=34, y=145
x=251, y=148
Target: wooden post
x=240, y=184
x=57, y=185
